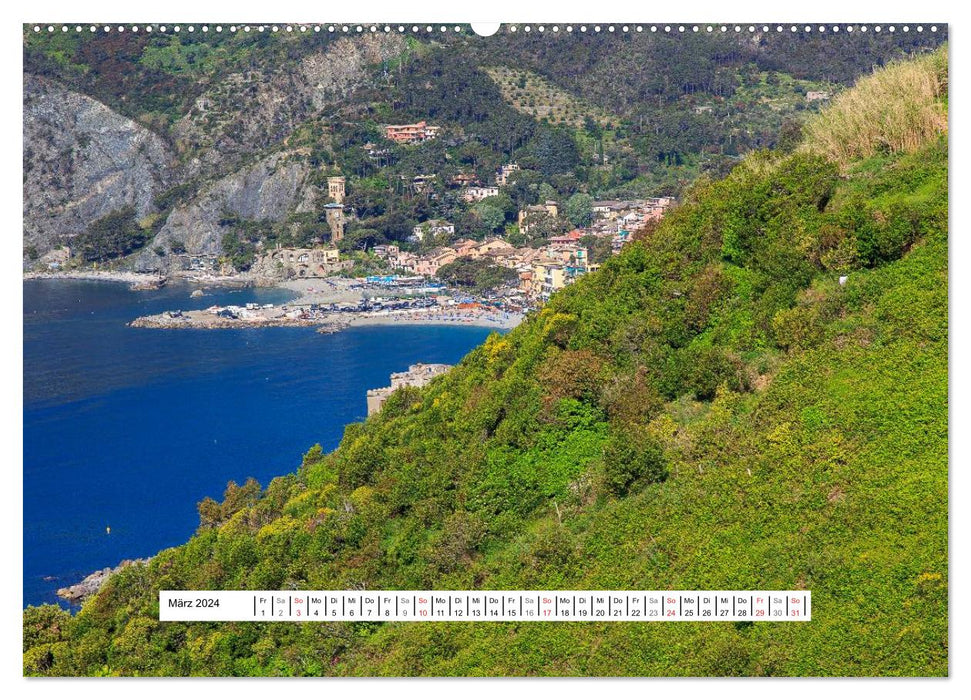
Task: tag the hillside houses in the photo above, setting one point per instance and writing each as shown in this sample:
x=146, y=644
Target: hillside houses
x=477, y=194
x=642, y=209
x=411, y=133
x=464, y=180
x=502, y=177
x=420, y=183
x=433, y=227
x=541, y=271
x=535, y=213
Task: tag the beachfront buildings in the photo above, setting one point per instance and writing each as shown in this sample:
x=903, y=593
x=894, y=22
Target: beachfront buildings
x=429, y=263
x=417, y=375
x=411, y=133
x=289, y=263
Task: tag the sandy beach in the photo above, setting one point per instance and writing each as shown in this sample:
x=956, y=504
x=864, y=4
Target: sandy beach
x=328, y=290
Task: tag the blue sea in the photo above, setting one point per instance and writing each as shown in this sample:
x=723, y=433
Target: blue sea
x=129, y=429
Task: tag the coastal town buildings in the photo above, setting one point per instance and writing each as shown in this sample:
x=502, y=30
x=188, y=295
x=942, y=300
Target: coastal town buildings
x=411, y=133
x=541, y=270
x=417, y=375
x=548, y=276
x=477, y=194
x=433, y=227
x=429, y=263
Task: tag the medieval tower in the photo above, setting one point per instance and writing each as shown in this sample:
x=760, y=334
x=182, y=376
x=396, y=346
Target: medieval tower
x=335, y=189
x=336, y=221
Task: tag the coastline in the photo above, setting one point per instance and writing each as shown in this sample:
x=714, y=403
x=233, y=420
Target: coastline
x=94, y=275
x=310, y=292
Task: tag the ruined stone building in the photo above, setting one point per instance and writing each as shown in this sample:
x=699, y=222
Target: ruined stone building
x=288, y=263
x=418, y=375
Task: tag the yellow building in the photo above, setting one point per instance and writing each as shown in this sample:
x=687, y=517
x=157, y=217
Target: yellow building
x=548, y=276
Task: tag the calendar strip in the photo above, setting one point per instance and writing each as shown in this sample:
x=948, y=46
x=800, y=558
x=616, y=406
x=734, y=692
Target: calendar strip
x=485, y=606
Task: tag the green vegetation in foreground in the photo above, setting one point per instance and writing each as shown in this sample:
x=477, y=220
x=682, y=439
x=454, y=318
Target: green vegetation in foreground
x=712, y=410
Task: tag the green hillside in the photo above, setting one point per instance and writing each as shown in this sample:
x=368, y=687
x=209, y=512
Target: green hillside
x=712, y=410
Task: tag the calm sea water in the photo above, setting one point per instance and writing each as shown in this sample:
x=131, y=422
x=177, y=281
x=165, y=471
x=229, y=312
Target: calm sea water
x=129, y=428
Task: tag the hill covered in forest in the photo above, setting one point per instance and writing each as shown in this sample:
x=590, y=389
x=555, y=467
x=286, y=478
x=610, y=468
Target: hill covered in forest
x=753, y=395
x=143, y=147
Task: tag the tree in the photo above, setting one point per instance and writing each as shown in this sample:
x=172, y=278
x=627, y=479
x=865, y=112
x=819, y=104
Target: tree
x=555, y=150
x=547, y=192
x=360, y=239
x=490, y=216
x=111, y=236
x=481, y=274
x=579, y=209
x=599, y=248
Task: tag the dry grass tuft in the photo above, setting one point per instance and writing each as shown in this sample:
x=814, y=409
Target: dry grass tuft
x=897, y=109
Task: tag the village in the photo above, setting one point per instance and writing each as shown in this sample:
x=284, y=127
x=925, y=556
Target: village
x=416, y=283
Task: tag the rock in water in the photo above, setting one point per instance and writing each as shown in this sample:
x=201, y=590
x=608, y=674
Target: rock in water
x=92, y=583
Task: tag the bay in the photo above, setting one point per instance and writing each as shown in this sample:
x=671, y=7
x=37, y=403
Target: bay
x=130, y=428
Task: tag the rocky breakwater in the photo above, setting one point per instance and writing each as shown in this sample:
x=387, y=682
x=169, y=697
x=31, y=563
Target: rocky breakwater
x=92, y=583
x=215, y=317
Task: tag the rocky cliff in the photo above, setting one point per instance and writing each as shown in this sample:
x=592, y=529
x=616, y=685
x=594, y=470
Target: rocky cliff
x=266, y=191
x=83, y=161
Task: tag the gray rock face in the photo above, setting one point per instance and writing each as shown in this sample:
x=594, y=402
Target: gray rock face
x=266, y=191
x=82, y=161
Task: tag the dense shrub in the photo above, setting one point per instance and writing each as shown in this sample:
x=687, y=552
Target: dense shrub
x=630, y=457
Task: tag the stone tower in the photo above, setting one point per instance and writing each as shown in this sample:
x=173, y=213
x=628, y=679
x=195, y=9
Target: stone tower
x=335, y=188
x=335, y=219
